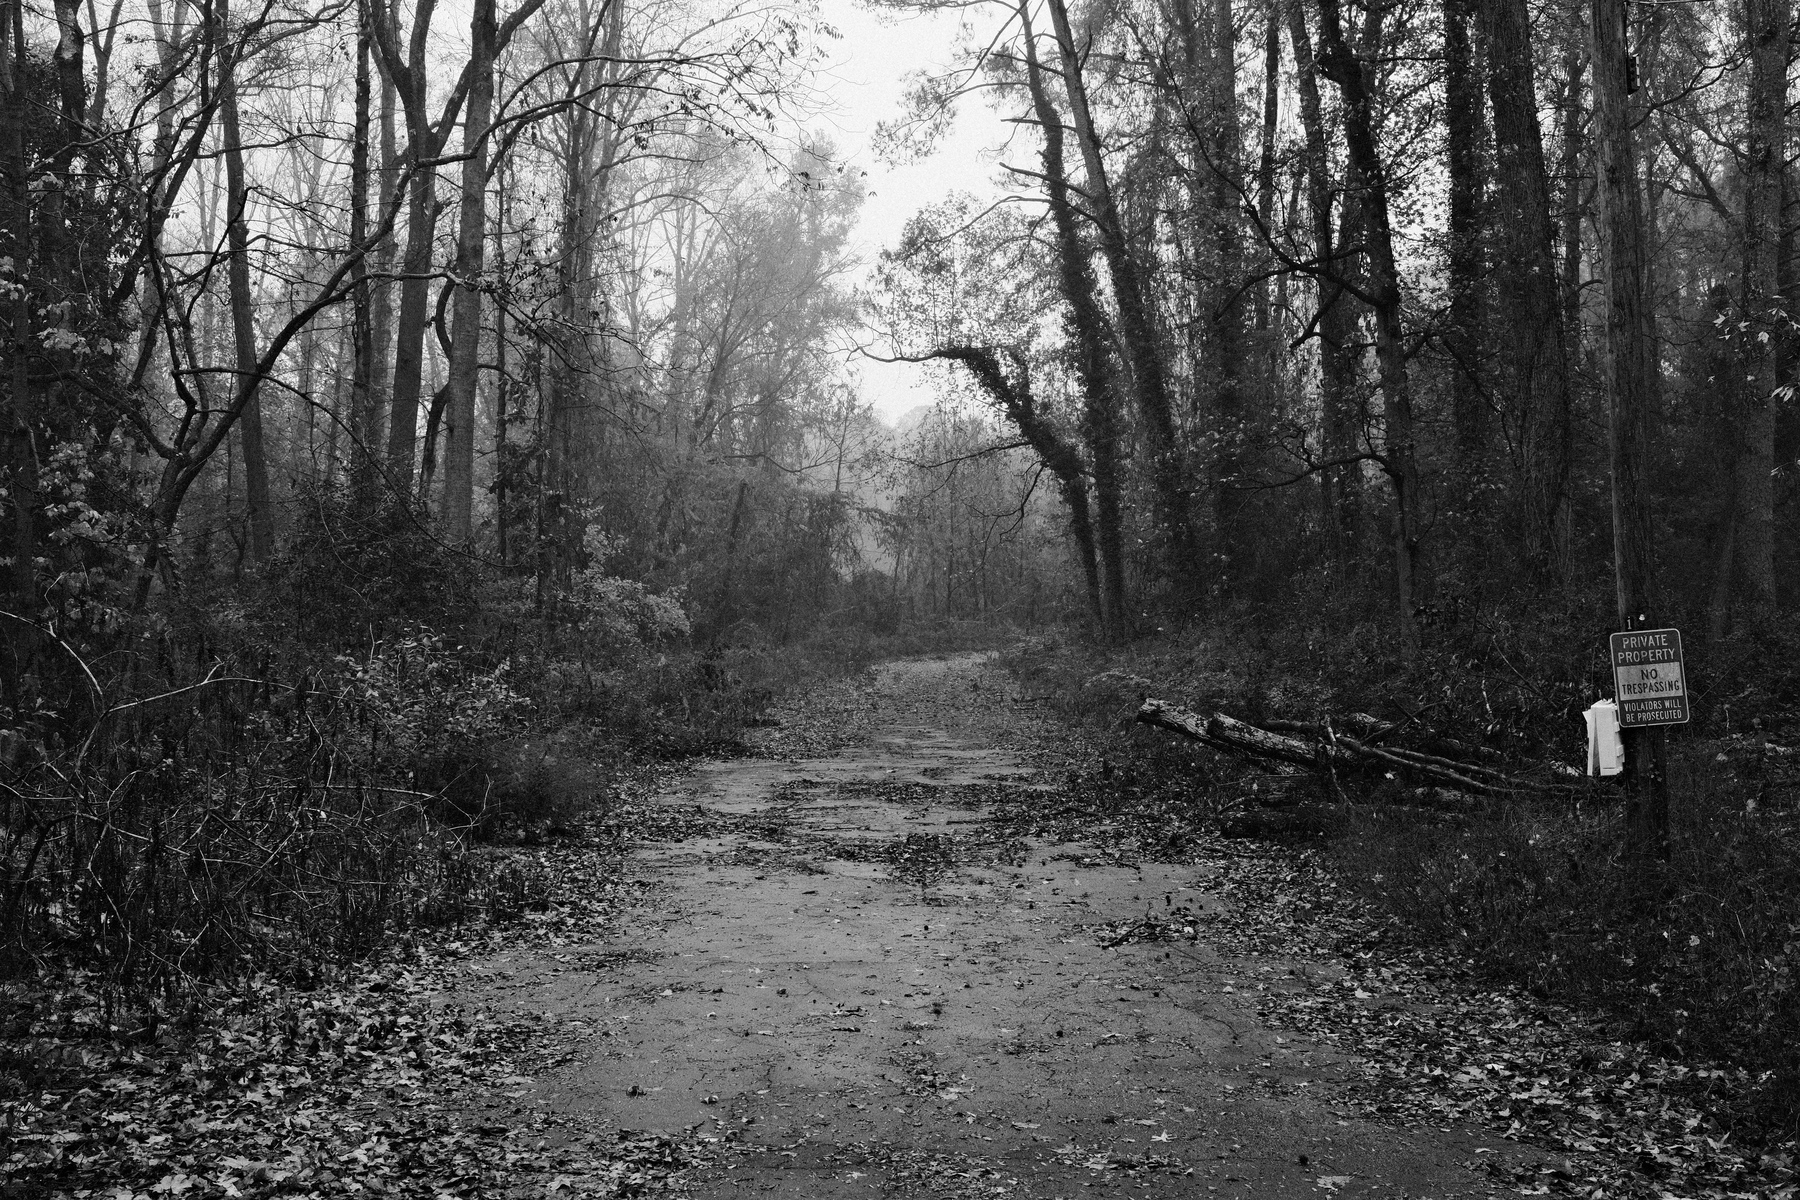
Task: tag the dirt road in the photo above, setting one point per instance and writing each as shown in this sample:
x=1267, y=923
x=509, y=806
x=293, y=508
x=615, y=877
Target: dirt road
x=842, y=1031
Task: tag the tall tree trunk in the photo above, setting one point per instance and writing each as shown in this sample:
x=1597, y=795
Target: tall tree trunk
x=578, y=424
x=1266, y=158
x=1766, y=28
x=342, y=352
x=1209, y=81
x=409, y=336
x=1228, y=301
x=1574, y=191
x=423, y=144
x=362, y=336
x=168, y=32
x=1398, y=453
x=19, y=542
x=1137, y=324
x=502, y=378
x=381, y=293
x=258, y=508
x=425, y=141
x=1787, y=416
x=1270, y=294
x=1533, y=352
x=1629, y=360
x=1342, y=433
x=1088, y=329
x=57, y=248
x=1466, y=337
x=471, y=244
x=1651, y=24
x=302, y=441
x=565, y=374
x=20, y=535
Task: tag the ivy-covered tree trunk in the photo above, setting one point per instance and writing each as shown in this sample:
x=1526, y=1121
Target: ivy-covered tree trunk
x=1137, y=324
x=1013, y=393
x=19, y=541
x=1095, y=367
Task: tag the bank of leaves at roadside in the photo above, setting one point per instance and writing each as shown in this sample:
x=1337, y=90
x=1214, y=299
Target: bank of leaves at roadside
x=360, y=1092
x=1440, y=1045
x=359, y=1086
x=327, y=1093
x=1632, y=1122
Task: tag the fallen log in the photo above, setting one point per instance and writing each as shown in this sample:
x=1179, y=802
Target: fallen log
x=1433, y=760
x=1454, y=778
x=1370, y=730
x=1228, y=733
x=1330, y=751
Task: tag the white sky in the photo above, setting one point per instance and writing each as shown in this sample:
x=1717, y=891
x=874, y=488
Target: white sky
x=865, y=85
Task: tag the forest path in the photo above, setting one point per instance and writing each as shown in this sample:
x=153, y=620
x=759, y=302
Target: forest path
x=840, y=1033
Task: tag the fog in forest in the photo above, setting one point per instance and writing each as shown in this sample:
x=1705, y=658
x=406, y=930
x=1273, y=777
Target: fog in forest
x=425, y=428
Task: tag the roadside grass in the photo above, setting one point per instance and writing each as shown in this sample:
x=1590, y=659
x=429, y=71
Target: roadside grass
x=1694, y=958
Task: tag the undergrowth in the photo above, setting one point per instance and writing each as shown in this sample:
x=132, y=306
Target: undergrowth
x=1695, y=956
x=283, y=775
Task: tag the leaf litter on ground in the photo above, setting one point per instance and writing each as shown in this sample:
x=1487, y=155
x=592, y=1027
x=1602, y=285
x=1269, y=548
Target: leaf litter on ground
x=366, y=1083
x=369, y=1085
x=1437, y=1044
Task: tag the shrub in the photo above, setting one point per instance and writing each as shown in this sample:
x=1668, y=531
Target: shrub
x=352, y=569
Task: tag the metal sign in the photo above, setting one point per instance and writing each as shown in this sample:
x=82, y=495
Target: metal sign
x=1652, y=688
